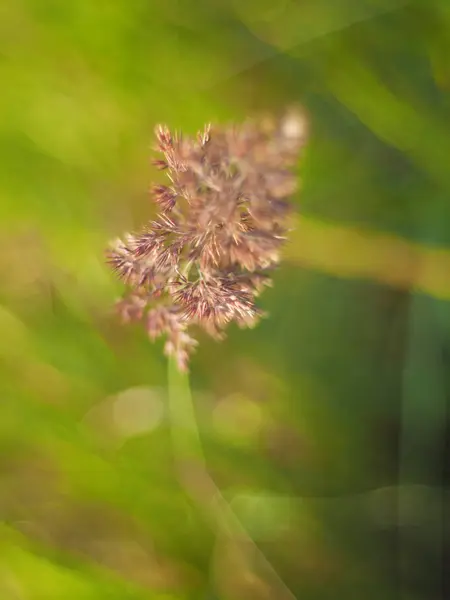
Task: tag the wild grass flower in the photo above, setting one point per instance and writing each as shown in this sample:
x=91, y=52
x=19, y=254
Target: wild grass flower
x=217, y=237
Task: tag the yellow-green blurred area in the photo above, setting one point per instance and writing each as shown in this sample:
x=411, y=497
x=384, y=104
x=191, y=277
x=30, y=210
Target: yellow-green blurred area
x=325, y=428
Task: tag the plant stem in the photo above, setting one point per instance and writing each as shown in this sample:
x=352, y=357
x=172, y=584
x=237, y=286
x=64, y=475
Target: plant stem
x=185, y=435
x=195, y=479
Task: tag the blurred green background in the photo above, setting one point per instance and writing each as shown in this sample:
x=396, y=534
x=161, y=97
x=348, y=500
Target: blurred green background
x=326, y=427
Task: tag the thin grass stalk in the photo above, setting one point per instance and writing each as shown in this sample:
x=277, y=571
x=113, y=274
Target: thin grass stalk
x=194, y=478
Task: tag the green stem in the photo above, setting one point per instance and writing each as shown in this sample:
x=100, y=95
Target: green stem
x=185, y=435
x=195, y=479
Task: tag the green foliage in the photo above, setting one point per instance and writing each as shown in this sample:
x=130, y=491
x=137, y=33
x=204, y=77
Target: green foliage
x=303, y=409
